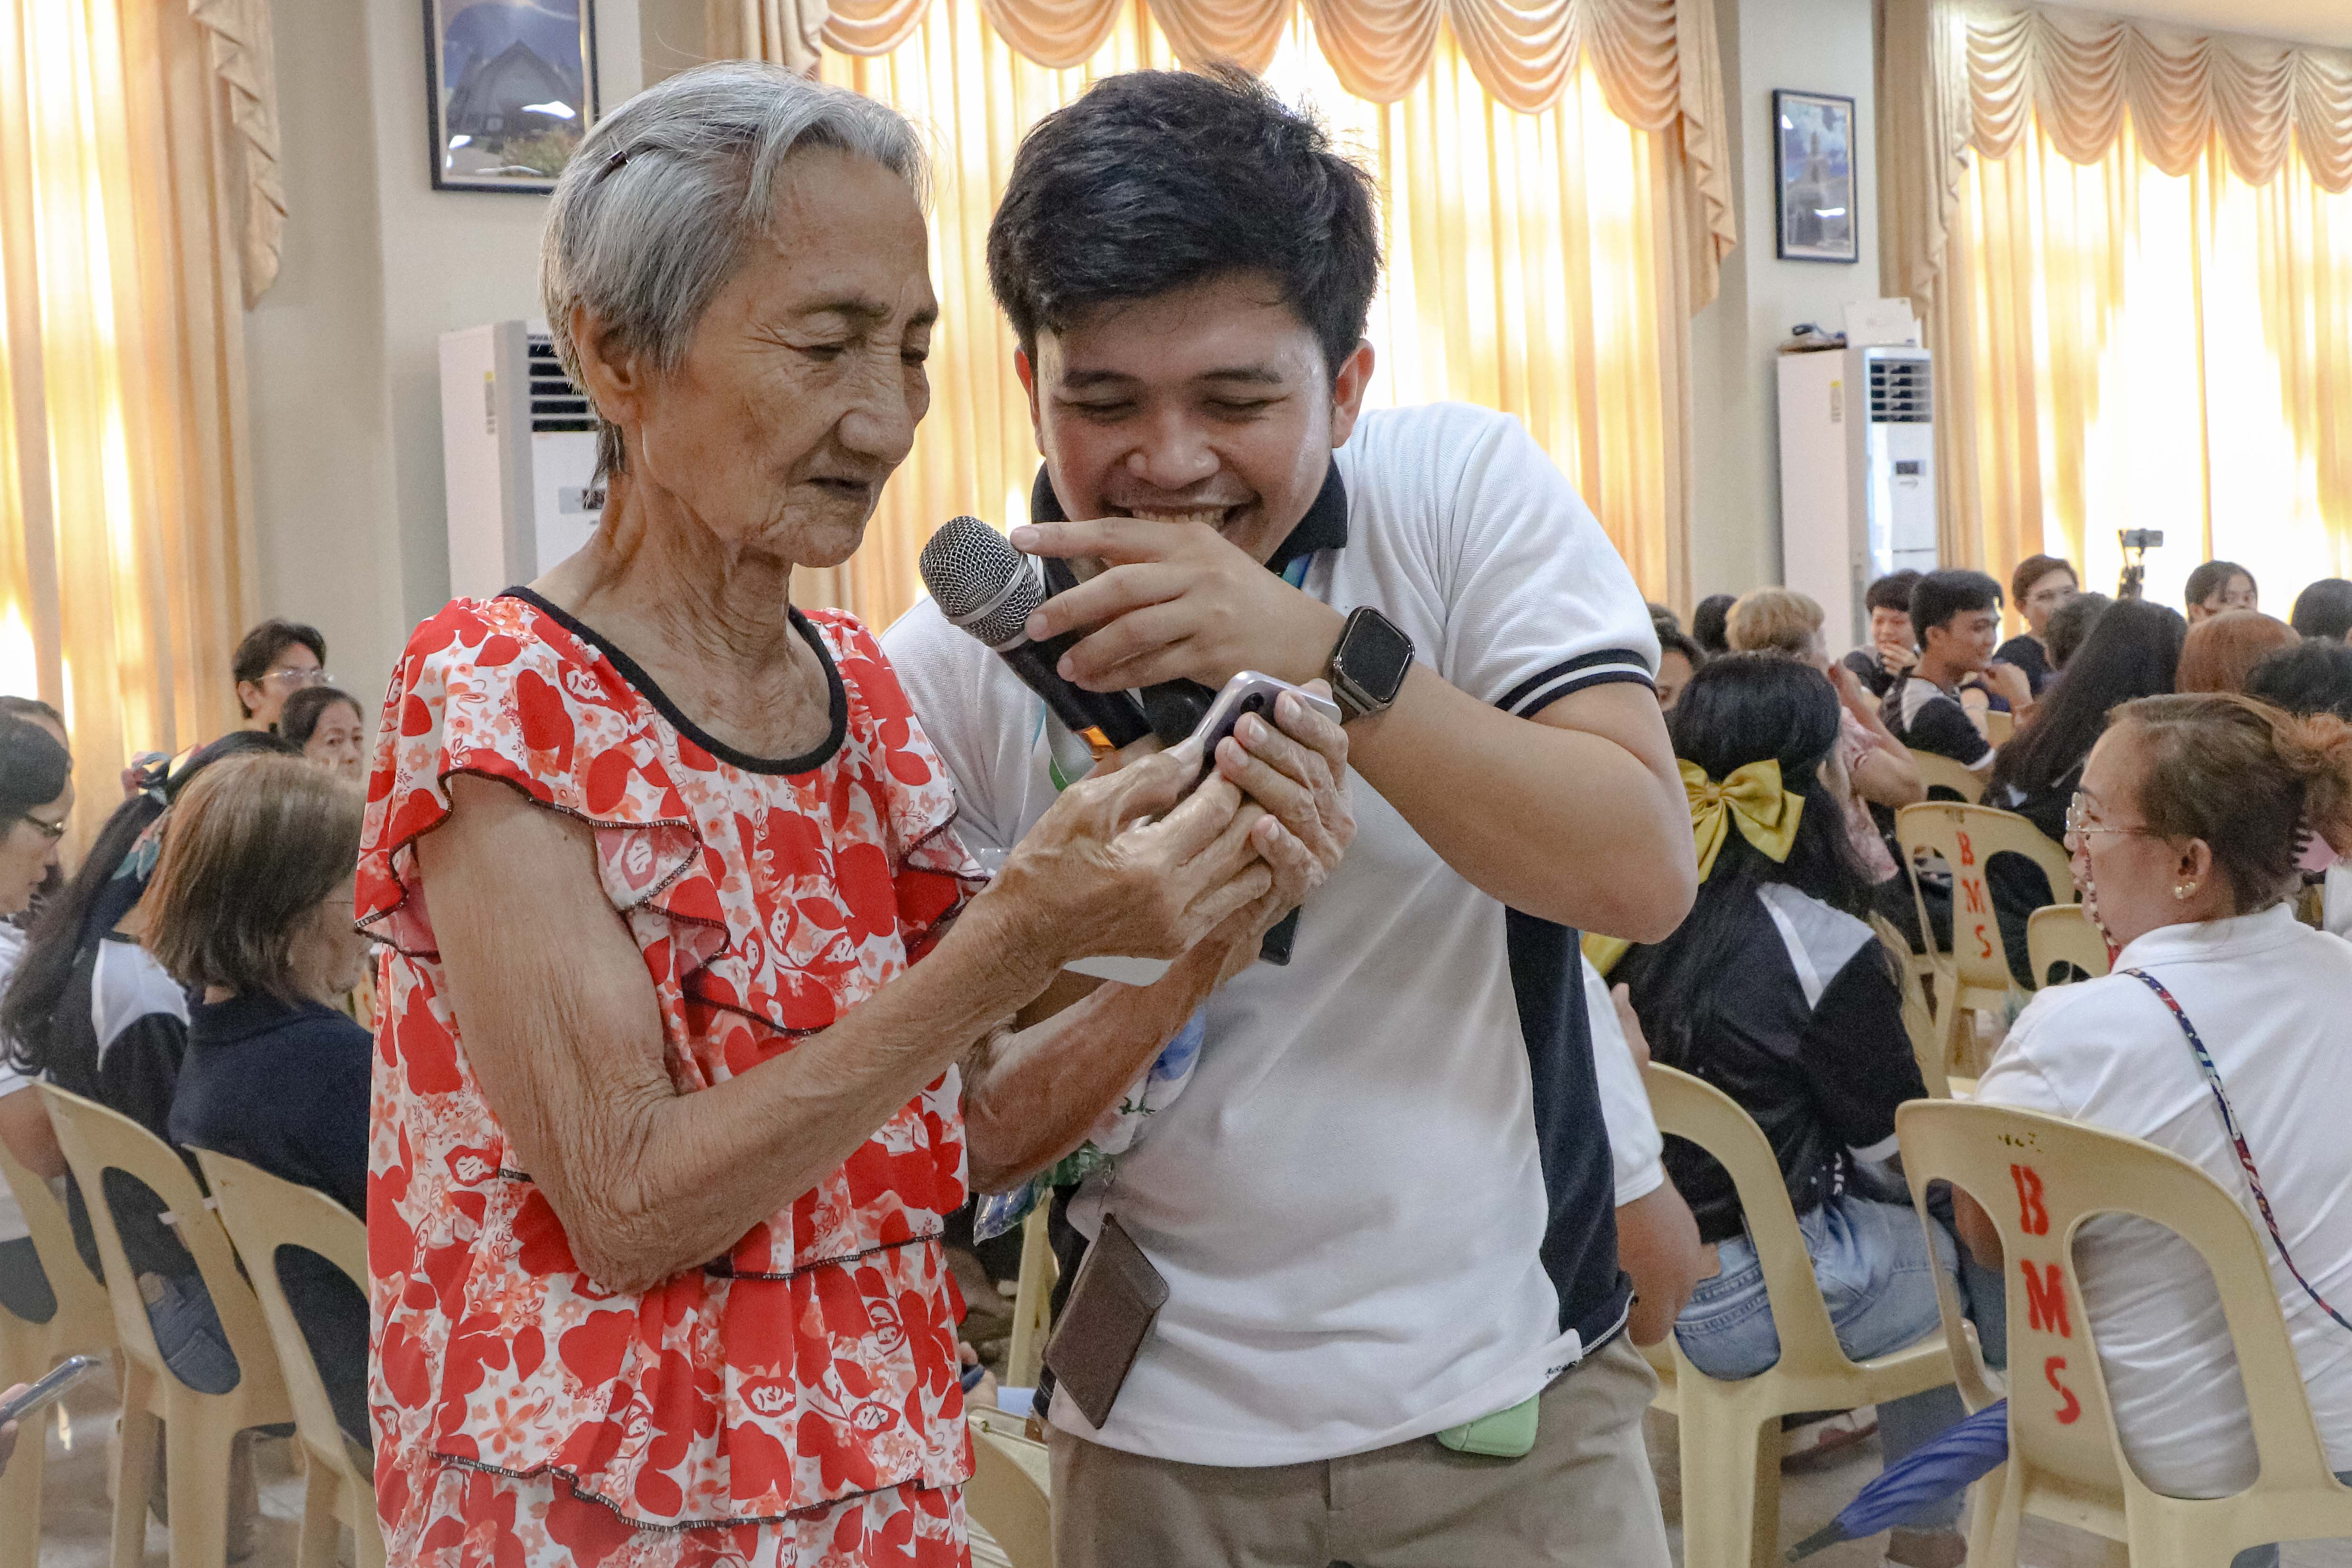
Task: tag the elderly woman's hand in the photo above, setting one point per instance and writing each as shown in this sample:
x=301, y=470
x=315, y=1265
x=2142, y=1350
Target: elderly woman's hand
x=1297, y=768
x=1127, y=863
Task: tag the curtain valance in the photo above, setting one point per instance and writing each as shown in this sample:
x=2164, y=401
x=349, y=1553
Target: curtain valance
x=237, y=36
x=1655, y=59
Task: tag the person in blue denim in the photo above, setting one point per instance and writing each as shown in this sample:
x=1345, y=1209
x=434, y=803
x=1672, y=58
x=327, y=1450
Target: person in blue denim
x=1777, y=992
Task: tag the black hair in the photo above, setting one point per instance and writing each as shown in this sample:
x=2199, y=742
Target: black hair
x=1662, y=617
x=2071, y=623
x=1937, y=597
x=2324, y=610
x=1711, y=623
x=262, y=645
x=1747, y=707
x=299, y=718
x=1153, y=180
x=1673, y=641
x=1892, y=591
x=31, y=708
x=33, y=769
x=2309, y=677
x=92, y=904
x=2212, y=578
x=2133, y=652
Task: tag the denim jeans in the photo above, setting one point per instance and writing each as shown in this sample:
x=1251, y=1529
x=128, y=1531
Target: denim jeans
x=188, y=1331
x=1877, y=1274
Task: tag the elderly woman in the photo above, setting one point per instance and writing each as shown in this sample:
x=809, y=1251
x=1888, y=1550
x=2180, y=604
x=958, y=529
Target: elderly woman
x=668, y=1118
x=2185, y=836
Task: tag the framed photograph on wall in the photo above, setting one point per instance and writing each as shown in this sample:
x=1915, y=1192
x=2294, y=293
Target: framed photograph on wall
x=512, y=86
x=1813, y=141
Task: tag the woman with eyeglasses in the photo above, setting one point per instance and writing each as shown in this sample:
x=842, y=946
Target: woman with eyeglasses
x=2185, y=836
x=36, y=798
x=277, y=660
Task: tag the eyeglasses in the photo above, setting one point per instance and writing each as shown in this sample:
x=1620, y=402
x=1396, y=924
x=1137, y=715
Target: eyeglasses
x=52, y=831
x=293, y=677
x=2080, y=825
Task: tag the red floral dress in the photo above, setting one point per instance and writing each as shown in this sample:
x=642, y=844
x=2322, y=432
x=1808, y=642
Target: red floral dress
x=798, y=1398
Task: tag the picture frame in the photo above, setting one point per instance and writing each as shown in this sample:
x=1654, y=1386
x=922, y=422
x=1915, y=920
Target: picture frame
x=1813, y=166
x=511, y=90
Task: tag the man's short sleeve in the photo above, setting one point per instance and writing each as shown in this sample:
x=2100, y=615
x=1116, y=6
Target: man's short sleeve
x=1942, y=726
x=1537, y=604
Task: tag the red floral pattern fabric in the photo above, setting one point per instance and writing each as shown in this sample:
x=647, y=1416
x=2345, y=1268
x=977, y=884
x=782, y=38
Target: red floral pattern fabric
x=817, y=1363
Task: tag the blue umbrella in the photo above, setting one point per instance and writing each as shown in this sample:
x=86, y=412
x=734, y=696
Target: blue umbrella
x=1943, y=1464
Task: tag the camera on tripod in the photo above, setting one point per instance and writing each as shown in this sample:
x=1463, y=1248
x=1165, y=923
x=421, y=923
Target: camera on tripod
x=2136, y=542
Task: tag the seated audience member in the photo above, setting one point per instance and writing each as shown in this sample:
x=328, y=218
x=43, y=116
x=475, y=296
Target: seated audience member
x=2133, y=651
x=1957, y=614
x=2184, y=840
x=2039, y=587
x=2217, y=587
x=1893, y=649
x=2314, y=677
x=251, y=907
x=2072, y=621
x=1708, y=624
x=37, y=798
x=1877, y=769
x=32, y=710
x=277, y=660
x=1657, y=1240
x=91, y=1010
x=2223, y=649
x=326, y=724
x=1662, y=615
x=2324, y=610
x=1776, y=991
x=1678, y=660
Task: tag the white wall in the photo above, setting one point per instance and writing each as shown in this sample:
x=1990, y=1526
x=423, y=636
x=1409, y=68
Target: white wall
x=341, y=352
x=1805, y=45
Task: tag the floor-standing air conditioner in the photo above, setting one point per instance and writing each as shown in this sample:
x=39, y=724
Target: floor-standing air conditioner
x=1857, y=476
x=518, y=457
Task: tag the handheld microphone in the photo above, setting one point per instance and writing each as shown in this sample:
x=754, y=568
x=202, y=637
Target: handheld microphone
x=984, y=587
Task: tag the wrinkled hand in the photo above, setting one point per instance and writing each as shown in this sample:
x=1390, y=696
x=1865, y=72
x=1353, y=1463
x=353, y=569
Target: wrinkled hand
x=1297, y=769
x=1118, y=866
x=1176, y=602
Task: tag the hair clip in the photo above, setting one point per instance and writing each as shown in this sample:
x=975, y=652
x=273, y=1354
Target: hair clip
x=616, y=160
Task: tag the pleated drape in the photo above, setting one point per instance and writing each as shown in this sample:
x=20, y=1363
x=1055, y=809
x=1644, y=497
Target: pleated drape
x=139, y=209
x=1545, y=264
x=2132, y=249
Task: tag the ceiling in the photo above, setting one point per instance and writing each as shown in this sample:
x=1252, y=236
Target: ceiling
x=2301, y=21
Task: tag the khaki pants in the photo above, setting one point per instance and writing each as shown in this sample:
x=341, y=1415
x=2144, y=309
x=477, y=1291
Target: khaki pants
x=1584, y=1495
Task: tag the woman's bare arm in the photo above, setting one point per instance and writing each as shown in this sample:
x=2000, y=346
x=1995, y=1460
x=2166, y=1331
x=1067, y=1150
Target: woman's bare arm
x=24, y=1128
x=564, y=1034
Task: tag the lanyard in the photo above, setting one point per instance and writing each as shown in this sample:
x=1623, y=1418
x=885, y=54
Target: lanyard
x=2237, y=1137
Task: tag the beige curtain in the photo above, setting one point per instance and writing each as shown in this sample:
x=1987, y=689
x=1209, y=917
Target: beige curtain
x=2132, y=246
x=140, y=207
x=1542, y=263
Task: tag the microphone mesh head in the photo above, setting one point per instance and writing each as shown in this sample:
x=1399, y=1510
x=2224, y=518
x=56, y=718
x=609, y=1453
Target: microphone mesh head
x=981, y=582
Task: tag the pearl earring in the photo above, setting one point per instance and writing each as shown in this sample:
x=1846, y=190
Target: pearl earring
x=2183, y=890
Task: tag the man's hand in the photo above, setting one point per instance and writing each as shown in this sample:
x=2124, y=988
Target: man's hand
x=1176, y=602
x=1895, y=658
x=2008, y=680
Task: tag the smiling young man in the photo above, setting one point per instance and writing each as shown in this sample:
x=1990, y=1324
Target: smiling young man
x=1382, y=1207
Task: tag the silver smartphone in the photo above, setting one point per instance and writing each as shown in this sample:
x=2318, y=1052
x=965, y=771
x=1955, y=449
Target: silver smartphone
x=40, y=1395
x=1246, y=693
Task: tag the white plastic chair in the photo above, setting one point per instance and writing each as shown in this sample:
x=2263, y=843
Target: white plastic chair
x=1975, y=973
x=81, y=1325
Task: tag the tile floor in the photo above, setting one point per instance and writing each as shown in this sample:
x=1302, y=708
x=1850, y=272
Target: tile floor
x=74, y=1516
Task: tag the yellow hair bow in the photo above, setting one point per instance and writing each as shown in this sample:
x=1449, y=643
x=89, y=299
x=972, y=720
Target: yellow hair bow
x=1752, y=797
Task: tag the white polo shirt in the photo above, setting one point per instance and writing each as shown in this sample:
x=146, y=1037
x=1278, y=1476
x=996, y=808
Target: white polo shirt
x=2268, y=996
x=1384, y=1204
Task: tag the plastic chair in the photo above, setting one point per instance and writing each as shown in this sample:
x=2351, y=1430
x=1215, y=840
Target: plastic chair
x=1999, y=726
x=263, y=1212
x=81, y=1326
x=1032, y=1303
x=1938, y=772
x=2039, y=1178
x=1730, y=1431
x=198, y=1428
x=1918, y=1017
x=2062, y=934
x=1975, y=974
x=1009, y=1493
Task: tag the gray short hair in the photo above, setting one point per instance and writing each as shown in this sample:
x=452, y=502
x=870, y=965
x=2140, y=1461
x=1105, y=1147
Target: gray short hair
x=657, y=209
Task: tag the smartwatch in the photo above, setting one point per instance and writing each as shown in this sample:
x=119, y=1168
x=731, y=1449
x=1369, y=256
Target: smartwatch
x=1368, y=665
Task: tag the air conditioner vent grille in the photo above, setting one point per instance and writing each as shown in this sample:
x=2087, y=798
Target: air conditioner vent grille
x=555, y=403
x=1902, y=391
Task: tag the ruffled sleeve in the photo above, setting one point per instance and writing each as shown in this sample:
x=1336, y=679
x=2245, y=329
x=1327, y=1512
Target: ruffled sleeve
x=932, y=871
x=499, y=690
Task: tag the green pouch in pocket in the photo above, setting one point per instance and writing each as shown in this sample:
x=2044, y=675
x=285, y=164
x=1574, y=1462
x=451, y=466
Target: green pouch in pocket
x=1505, y=1435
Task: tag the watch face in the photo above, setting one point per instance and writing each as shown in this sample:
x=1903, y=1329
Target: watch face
x=1376, y=657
